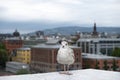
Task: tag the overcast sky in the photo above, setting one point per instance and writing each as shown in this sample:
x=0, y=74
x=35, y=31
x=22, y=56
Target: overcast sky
x=31, y=15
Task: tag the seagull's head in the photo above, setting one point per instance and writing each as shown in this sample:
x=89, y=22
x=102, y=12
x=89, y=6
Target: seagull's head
x=64, y=44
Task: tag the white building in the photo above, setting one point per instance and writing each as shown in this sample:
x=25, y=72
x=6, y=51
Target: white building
x=15, y=66
x=98, y=45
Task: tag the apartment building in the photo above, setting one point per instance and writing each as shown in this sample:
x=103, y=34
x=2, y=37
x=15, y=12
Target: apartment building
x=22, y=55
x=43, y=58
x=98, y=45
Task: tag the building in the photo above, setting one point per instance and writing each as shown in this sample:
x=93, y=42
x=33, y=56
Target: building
x=22, y=55
x=39, y=33
x=3, y=36
x=85, y=35
x=14, y=42
x=16, y=66
x=100, y=62
x=43, y=58
x=16, y=33
x=94, y=33
x=98, y=45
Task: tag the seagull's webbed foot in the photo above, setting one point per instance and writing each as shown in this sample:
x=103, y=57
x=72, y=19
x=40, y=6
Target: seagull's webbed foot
x=66, y=71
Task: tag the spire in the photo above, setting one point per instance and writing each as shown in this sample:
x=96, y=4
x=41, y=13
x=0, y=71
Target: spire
x=94, y=31
x=16, y=30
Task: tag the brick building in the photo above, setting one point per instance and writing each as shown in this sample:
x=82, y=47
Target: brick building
x=100, y=62
x=12, y=43
x=43, y=58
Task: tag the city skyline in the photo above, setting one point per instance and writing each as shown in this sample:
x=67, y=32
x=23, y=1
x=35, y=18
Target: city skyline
x=32, y=15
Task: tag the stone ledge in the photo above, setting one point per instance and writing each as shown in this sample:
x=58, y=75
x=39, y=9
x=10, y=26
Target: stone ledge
x=85, y=74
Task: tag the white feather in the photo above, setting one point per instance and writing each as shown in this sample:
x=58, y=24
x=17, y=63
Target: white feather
x=65, y=54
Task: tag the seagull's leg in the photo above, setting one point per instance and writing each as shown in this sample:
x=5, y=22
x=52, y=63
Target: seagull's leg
x=64, y=70
x=68, y=70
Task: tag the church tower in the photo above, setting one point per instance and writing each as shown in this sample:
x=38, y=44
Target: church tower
x=94, y=33
x=94, y=29
x=16, y=33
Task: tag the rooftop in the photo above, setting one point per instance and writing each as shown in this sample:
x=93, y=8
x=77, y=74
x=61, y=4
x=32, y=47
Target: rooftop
x=23, y=48
x=87, y=74
x=13, y=38
x=97, y=56
x=51, y=46
x=16, y=63
x=99, y=39
x=52, y=41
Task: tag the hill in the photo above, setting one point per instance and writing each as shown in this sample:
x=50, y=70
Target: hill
x=73, y=29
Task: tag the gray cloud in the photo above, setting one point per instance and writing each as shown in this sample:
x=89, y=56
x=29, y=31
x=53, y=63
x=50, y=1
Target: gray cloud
x=56, y=12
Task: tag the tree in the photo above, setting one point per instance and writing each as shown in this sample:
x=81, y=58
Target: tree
x=96, y=65
x=105, y=67
x=2, y=46
x=114, y=66
x=3, y=55
x=116, y=52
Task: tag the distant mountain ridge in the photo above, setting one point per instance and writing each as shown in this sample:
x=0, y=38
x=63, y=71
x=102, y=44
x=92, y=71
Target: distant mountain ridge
x=73, y=29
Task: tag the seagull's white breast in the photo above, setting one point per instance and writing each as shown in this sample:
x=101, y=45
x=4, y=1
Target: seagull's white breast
x=65, y=56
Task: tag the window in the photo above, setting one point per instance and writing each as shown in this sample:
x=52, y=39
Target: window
x=77, y=59
x=77, y=54
x=77, y=65
x=78, y=44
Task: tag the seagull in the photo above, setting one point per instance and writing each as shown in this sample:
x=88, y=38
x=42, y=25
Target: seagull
x=65, y=56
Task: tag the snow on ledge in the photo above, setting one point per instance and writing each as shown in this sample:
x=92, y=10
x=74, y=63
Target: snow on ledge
x=85, y=74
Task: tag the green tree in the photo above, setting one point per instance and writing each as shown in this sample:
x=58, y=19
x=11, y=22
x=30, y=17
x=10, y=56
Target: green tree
x=114, y=66
x=2, y=46
x=116, y=52
x=97, y=65
x=3, y=55
x=105, y=67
